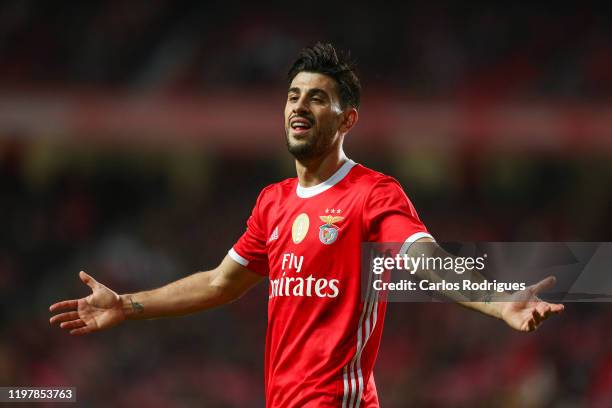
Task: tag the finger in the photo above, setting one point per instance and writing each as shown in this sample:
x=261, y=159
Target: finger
x=64, y=317
x=556, y=308
x=535, y=316
x=81, y=330
x=74, y=324
x=530, y=325
x=544, y=284
x=65, y=304
x=88, y=280
x=543, y=309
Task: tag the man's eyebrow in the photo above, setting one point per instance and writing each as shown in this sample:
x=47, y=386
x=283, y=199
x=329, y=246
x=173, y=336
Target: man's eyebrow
x=311, y=91
x=318, y=91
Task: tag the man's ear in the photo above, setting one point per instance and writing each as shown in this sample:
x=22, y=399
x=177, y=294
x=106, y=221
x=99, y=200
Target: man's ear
x=350, y=119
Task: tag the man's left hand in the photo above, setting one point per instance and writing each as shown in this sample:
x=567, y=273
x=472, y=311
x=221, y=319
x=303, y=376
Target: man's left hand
x=524, y=311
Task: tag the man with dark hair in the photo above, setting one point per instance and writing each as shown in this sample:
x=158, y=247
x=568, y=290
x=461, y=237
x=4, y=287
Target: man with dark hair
x=304, y=235
x=323, y=59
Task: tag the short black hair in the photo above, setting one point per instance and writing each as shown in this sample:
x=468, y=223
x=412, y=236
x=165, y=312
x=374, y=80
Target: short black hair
x=322, y=58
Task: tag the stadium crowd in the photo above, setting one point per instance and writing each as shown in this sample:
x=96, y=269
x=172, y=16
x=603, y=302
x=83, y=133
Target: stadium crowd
x=423, y=49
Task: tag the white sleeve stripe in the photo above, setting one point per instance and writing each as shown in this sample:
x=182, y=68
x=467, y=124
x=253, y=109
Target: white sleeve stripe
x=236, y=257
x=412, y=239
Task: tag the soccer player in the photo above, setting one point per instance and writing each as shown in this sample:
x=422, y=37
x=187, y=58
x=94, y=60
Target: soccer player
x=305, y=235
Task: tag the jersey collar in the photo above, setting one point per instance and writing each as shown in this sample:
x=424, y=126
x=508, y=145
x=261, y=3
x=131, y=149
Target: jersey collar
x=307, y=192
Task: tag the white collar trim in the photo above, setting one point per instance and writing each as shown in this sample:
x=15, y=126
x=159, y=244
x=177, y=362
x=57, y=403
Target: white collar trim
x=307, y=192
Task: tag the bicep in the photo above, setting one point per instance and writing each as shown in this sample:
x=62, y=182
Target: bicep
x=233, y=278
x=425, y=245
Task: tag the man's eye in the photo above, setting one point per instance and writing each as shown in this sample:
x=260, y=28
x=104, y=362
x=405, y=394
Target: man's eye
x=293, y=98
x=317, y=100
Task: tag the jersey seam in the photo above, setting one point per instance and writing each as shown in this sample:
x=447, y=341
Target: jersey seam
x=258, y=204
x=363, y=223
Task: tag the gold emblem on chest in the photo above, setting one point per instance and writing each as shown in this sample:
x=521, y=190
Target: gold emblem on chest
x=300, y=228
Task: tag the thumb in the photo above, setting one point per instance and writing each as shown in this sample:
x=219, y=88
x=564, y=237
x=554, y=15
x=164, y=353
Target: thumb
x=88, y=280
x=544, y=284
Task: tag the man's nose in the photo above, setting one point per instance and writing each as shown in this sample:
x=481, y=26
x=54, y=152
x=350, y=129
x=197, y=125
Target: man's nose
x=300, y=106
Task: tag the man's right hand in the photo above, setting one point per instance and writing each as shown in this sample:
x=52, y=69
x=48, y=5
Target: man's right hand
x=100, y=310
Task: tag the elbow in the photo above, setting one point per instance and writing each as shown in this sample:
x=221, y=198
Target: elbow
x=224, y=295
x=223, y=291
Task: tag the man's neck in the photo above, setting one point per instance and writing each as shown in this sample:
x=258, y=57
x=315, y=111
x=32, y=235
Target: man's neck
x=318, y=170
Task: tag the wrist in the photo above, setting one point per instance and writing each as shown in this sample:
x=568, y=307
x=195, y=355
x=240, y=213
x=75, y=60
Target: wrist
x=496, y=303
x=131, y=308
x=502, y=303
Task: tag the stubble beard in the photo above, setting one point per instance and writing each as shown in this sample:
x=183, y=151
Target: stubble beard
x=310, y=148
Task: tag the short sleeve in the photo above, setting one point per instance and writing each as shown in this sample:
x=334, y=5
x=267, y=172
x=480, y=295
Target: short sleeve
x=389, y=216
x=250, y=250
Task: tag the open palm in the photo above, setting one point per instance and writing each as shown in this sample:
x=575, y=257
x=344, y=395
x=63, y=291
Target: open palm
x=100, y=310
x=525, y=311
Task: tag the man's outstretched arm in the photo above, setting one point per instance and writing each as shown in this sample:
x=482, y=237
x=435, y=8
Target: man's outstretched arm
x=522, y=310
x=104, y=308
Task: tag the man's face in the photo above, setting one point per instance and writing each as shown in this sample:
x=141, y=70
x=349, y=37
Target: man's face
x=312, y=115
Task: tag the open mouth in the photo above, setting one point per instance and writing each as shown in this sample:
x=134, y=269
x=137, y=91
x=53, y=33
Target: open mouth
x=300, y=124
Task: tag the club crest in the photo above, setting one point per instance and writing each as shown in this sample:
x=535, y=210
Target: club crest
x=328, y=232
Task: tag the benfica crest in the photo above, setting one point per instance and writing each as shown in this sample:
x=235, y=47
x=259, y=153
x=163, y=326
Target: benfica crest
x=328, y=232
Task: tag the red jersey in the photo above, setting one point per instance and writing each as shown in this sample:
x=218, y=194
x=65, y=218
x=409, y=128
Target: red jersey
x=322, y=336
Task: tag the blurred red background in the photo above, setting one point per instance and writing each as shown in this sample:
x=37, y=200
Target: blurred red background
x=135, y=136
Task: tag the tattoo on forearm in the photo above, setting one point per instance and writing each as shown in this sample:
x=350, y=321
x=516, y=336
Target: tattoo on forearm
x=136, y=307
